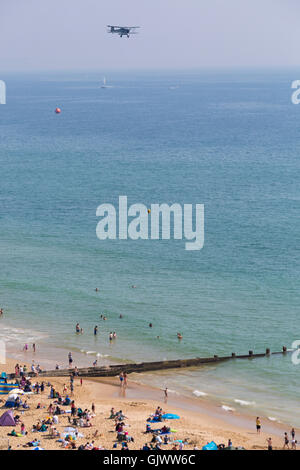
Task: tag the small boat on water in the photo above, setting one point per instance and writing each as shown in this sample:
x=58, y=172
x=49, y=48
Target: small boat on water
x=104, y=85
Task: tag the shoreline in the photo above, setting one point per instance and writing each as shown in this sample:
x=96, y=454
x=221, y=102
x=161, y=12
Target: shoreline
x=49, y=354
x=205, y=412
x=209, y=403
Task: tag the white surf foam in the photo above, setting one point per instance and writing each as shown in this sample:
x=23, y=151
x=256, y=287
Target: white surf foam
x=244, y=402
x=198, y=393
x=227, y=408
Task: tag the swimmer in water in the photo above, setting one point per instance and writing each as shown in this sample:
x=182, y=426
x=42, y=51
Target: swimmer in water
x=110, y=336
x=114, y=335
x=95, y=330
x=179, y=336
x=77, y=328
x=150, y=325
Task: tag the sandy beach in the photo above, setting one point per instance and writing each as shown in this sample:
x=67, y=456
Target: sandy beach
x=199, y=422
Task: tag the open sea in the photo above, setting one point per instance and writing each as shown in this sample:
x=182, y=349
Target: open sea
x=227, y=139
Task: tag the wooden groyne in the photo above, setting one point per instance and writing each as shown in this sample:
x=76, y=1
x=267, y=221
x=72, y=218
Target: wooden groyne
x=114, y=370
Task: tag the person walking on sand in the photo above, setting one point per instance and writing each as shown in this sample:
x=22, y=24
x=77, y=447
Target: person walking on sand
x=286, y=442
x=258, y=425
x=125, y=379
x=33, y=370
x=270, y=444
x=33, y=347
x=166, y=392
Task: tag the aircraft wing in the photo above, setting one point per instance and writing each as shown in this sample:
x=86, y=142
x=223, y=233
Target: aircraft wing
x=122, y=27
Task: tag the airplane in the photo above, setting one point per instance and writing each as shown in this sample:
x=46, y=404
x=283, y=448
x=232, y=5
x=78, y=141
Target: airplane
x=122, y=30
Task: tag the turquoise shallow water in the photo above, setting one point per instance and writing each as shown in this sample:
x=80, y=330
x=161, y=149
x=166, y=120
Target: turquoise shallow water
x=229, y=140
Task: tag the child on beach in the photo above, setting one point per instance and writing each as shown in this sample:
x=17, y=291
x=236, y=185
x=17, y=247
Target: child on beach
x=121, y=377
x=286, y=442
x=258, y=425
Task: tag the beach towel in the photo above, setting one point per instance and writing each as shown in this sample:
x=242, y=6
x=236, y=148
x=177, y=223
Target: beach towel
x=170, y=416
x=72, y=435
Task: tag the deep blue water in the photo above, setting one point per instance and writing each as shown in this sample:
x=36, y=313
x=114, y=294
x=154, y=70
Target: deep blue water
x=228, y=140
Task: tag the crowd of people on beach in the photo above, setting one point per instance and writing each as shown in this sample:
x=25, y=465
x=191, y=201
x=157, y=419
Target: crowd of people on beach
x=160, y=437
x=61, y=405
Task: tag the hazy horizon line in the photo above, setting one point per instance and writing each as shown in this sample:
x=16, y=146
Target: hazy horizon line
x=153, y=69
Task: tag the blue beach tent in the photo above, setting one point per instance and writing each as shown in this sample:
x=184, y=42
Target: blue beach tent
x=210, y=446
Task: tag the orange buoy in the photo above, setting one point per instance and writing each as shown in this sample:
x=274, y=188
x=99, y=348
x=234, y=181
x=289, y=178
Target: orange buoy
x=57, y=110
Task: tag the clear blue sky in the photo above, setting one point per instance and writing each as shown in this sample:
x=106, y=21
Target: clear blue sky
x=71, y=34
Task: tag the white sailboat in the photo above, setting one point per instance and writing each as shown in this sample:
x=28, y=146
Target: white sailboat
x=104, y=85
